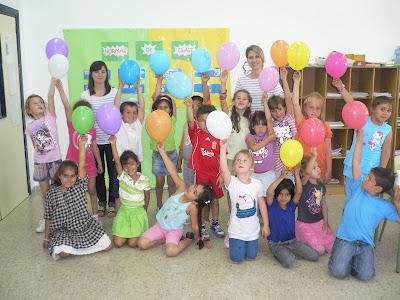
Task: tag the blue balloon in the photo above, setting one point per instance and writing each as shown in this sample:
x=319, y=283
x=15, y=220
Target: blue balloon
x=179, y=85
x=159, y=62
x=201, y=60
x=129, y=71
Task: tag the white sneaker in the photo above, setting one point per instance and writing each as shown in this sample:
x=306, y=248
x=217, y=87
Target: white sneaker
x=40, y=226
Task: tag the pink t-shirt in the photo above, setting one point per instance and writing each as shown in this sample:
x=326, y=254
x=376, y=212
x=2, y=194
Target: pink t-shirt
x=73, y=149
x=44, y=137
x=264, y=157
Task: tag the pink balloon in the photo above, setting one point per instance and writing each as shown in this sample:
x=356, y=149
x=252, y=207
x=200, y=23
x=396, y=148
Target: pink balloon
x=108, y=118
x=228, y=56
x=313, y=132
x=336, y=64
x=355, y=114
x=268, y=79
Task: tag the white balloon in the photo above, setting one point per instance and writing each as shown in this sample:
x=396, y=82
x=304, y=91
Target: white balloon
x=219, y=125
x=58, y=66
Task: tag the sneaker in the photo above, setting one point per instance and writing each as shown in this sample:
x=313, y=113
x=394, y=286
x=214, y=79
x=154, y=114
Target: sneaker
x=217, y=230
x=40, y=226
x=205, y=234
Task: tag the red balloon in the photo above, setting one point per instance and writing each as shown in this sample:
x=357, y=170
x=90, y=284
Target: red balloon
x=355, y=114
x=313, y=132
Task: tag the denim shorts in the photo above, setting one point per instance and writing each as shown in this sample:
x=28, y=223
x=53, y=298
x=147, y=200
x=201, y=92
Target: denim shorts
x=45, y=171
x=158, y=167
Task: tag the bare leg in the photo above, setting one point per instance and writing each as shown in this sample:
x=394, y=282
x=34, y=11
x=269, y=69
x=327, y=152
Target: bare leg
x=206, y=214
x=171, y=185
x=145, y=243
x=93, y=194
x=215, y=209
x=173, y=250
x=119, y=241
x=133, y=242
x=160, y=181
x=63, y=254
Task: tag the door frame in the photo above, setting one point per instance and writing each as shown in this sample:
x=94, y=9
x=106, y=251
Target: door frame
x=11, y=12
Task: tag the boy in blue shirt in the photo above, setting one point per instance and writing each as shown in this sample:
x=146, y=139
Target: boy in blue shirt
x=353, y=250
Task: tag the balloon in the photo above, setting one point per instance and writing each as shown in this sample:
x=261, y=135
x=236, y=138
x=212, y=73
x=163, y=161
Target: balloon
x=109, y=118
x=355, y=114
x=82, y=119
x=129, y=71
x=201, y=60
x=291, y=153
x=298, y=55
x=228, y=56
x=179, y=85
x=159, y=62
x=56, y=46
x=313, y=132
x=219, y=125
x=279, y=53
x=158, y=125
x=268, y=79
x=336, y=64
x=58, y=66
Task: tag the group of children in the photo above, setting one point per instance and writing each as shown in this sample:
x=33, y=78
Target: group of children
x=248, y=165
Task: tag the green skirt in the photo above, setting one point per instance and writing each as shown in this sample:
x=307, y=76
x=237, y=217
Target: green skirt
x=130, y=222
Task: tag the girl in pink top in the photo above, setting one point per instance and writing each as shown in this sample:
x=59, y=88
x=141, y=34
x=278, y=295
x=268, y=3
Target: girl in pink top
x=92, y=151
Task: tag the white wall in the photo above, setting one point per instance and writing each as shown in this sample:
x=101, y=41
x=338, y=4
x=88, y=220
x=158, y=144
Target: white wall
x=352, y=26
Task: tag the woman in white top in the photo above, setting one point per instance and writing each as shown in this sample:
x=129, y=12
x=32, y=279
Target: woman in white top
x=249, y=81
x=100, y=92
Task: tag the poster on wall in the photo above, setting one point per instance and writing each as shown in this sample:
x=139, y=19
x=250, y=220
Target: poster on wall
x=115, y=45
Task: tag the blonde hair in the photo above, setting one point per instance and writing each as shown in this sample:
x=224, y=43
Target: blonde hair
x=27, y=104
x=245, y=152
x=314, y=95
x=256, y=49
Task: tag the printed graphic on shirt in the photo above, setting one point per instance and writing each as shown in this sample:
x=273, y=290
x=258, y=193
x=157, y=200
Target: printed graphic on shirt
x=42, y=140
x=282, y=132
x=205, y=152
x=171, y=213
x=246, y=206
x=260, y=155
x=375, y=140
x=75, y=141
x=314, y=201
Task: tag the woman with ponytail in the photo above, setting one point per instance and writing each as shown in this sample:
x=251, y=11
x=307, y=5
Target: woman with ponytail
x=173, y=214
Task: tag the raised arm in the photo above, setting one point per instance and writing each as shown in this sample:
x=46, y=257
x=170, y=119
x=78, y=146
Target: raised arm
x=272, y=187
x=82, y=156
x=387, y=145
x=180, y=184
x=222, y=93
x=286, y=90
x=328, y=157
x=338, y=84
x=157, y=90
x=357, y=155
x=118, y=95
x=50, y=97
x=64, y=100
x=310, y=165
x=298, y=115
x=142, y=105
x=173, y=107
x=268, y=116
x=226, y=175
x=117, y=161
x=206, y=90
x=189, y=112
x=298, y=186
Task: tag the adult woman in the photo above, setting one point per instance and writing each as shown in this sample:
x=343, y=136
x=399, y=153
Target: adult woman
x=100, y=92
x=255, y=59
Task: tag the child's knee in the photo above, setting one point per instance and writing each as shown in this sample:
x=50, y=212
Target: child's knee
x=133, y=243
x=171, y=251
x=118, y=242
x=142, y=243
x=337, y=271
x=365, y=276
x=288, y=261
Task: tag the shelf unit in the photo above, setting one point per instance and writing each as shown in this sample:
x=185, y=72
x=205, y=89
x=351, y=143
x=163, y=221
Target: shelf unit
x=356, y=79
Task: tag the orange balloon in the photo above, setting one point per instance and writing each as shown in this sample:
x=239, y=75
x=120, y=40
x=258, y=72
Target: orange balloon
x=278, y=53
x=158, y=125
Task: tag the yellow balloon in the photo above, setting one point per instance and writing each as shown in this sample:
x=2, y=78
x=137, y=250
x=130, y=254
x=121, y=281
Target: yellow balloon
x=298, y=55
x=291, y=153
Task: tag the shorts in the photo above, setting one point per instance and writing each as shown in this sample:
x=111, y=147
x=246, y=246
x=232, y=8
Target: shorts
x=266, y=179
x=45, y=171
x=158, y=167
x=156, y=233
x=203, y=178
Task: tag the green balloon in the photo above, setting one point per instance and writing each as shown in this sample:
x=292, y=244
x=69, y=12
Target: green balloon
x=82, y=119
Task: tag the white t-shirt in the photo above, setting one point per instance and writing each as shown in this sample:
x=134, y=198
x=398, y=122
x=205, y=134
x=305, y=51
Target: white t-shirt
x=243, y=222
x=129, y=137
x=96, y=102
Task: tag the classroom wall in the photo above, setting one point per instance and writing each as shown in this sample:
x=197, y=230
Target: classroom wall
x=356, y=26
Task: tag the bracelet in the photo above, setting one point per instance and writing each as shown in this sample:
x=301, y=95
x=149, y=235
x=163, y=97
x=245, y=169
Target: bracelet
x=340, y=89
x=201, y=238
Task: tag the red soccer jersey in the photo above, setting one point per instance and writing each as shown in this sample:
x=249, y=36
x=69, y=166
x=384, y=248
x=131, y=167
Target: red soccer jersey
x=205, y=154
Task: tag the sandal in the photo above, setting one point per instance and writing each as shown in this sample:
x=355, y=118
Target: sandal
x=111, y=212
x=101, y=211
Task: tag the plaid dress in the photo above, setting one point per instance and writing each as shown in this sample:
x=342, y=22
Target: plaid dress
x=71, y=223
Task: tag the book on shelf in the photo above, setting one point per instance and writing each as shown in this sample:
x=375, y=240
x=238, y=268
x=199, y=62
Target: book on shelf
x=333, y=95
x=334, y=181
x=359, y=95
x=335, y=123
x=385, y=94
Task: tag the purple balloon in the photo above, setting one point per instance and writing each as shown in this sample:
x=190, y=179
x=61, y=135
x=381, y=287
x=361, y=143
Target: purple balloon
x=268, y=79
x=109, y=118
x=56, y=46
x=228, y=56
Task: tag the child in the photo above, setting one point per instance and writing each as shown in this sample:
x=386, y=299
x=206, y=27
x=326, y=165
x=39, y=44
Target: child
x=167, y=104
x=260, y=141
x=282, y=201
x=282, y=120
x=172, y=216
x=312, y=226
x=92, y=151
x=44, y=136
x=377, y=142
x=246, y=195
x=70, y=229
x=205, y=163
x=353, y=250
x=312, y=108
x=131, y=219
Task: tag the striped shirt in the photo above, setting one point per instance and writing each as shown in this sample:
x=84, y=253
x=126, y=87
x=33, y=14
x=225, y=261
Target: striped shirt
x=132, y=193
x=96, y=102
x=253, y=87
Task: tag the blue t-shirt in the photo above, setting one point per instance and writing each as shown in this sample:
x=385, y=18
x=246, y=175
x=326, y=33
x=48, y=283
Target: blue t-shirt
x=281, y=222
x=173, y=214
x=374, y=137
x=362, y=214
